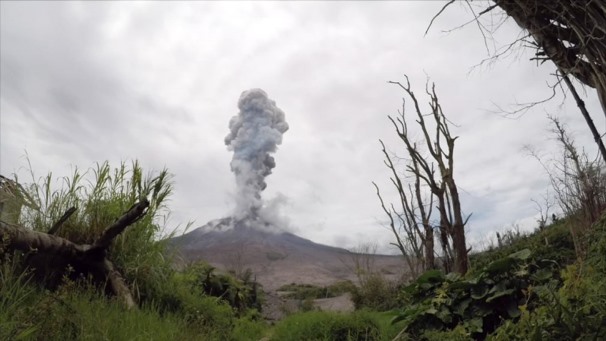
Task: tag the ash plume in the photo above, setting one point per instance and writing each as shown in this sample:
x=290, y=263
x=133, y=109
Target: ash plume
x=255, y=133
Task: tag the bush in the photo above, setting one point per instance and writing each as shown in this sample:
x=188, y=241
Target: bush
x=327, y=326
x=375, y=292
x=553, y=242
x=575, y=311
x=241, y=294
x=249, y=327
x=476, y=304
x=308, y=291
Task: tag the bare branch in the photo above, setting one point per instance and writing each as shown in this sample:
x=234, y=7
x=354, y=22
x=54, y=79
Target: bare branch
x=55, y=228
x=134, y=213
x=440, y=12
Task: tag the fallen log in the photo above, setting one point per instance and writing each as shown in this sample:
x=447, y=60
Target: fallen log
x=90, y=257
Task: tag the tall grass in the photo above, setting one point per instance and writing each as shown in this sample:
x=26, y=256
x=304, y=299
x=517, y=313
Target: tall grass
x=320, y=325
x=101, y=195
x=170, y=306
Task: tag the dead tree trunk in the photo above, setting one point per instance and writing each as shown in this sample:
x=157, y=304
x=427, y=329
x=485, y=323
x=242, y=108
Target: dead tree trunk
x=92, y=257
x=444, y=188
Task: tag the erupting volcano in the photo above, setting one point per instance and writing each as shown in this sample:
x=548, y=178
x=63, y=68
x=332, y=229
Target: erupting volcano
x=251, y=237
x=255, y=133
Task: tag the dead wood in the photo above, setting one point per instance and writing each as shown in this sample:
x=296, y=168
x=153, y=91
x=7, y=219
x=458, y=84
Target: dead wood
x=92, y=258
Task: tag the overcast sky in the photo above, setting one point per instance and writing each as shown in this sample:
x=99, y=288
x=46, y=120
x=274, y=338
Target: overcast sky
x=84, y=82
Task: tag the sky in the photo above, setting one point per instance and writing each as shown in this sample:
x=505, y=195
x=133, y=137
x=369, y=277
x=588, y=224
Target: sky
x=85, y=82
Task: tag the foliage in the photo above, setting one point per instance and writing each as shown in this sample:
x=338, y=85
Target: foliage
x=249, y=327
x=575, y=311
x=579, y=183
x=77, y=311
x=240, y=294
x=553, y=242
x=522, y=296
x=476, y=304
x=170, y=309
x=319, y=325
x=375, y=292
x=101, y=196
x=306, y=291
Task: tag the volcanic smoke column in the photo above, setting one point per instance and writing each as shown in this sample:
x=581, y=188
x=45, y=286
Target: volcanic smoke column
x=255, y=133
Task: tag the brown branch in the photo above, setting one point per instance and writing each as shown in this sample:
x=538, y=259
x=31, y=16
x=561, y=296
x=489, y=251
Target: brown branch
x=436, y=16
x=117, y=283
x=53, y=230
x=21, y=238
x=134, y=213
x=588, y=119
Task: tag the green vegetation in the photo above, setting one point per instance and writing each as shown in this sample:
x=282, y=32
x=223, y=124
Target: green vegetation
x=375, y=292
x=45, y=298
x=538, y=292
x=308, y=291
x=320, y=325
x=573, y=308
x=532, y=287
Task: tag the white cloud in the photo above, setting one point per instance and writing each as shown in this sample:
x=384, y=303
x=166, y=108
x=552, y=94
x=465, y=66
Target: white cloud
x=87, y=82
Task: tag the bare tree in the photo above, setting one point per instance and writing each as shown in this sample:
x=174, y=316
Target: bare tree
x=441, y=184
x=543, y=208
x=415, y=245
x=579, y=184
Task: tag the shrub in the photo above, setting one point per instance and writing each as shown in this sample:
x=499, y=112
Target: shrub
x=240, y=294
x=478, y=303
x=375, y=292
x=308, y=291
x=575, y=311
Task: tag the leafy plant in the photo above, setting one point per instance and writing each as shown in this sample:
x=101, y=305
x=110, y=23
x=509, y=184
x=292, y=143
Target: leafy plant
x=308, y=291
x=242, y=295
x=478, y=303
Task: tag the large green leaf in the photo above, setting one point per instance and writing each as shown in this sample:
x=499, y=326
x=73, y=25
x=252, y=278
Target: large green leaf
x=431, y=276
x=499, y=294
x=461, y=285
x=500, y=266
x=461, y=306
x=444, y=315
x=453, y=277
x=521, y=255
x=409, y=313
x=479, y=292
x=475, y=325
x=542, y=275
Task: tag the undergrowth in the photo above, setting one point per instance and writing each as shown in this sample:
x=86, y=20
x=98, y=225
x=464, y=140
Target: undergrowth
x=42, y=300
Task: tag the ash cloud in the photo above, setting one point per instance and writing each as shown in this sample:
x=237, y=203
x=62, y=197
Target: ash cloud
x=255, y=133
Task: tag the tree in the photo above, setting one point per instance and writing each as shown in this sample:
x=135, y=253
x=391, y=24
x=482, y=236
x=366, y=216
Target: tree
x=416, y=213
x=579, y=184
x=571, y=34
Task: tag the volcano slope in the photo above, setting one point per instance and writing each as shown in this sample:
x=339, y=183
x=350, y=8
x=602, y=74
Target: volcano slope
x=278, y=258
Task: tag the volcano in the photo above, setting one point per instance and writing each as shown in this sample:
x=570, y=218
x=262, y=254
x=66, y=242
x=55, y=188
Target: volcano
x=247, y=240
x=277, y=258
